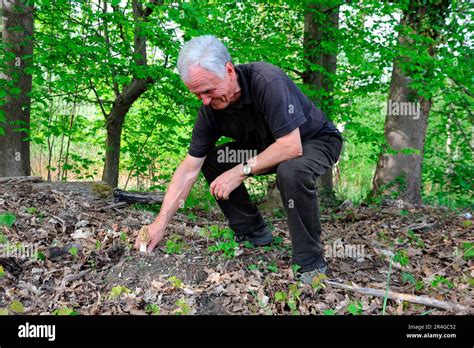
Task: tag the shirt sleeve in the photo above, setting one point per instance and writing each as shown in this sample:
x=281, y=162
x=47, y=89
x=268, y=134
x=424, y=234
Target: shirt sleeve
x=281, y=107
x=204, y=135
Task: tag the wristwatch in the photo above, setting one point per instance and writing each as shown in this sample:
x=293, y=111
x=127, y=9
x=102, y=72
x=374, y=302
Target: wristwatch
x=247, y=169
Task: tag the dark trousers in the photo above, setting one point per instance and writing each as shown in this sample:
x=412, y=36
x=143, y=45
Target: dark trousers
x=296, y=180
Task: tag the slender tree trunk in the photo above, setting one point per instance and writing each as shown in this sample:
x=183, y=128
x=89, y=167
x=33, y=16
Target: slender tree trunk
x=15, y=121
x=320, y=24
x=130, y=93
x=115, y=120
x=399, y=168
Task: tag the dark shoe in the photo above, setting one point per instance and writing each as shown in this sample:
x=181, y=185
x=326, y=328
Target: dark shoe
x=307, y=277
x=260, y=238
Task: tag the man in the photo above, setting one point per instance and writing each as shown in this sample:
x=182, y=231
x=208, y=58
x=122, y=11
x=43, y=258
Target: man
x=266, y=114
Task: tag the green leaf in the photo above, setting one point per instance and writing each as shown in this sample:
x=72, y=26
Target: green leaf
x=40, y=256
x=2, y=272
x=32, y=210
x=317, y=281
x=3, y=311
x=73, y=251
x=292, y=304
x=7, y=219
x=408, y=278
x=3, y=239
x=184, y=307
x=177, y=283
x=17, y=307
x=64, y=311
x=118, y=290
x=152, y=308
x=280, y=296
x=419, y=285
x=468, y=250
x=329, y=312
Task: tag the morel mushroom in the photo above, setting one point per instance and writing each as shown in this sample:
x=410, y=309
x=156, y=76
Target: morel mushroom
x=144, y=239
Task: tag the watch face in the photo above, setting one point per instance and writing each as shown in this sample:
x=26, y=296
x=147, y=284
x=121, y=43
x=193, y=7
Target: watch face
x=247, y=169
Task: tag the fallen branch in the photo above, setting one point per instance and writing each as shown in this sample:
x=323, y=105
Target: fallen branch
x=18, y=179
x=184, y=218
x=423, y=300
x=138, y=197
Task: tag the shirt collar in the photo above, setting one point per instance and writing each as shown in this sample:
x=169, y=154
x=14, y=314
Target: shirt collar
x=245, y=98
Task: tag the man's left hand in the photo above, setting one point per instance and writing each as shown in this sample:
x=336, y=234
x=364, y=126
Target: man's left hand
x=227, y=182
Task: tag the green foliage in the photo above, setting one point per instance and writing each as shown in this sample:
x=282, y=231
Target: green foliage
x=152, y=308
x=2, y=272
x=7, y=219
x=295, y=268
x=65, y=311
x=85, y=57
x=468, y=250
x=290, y=298
x=329, y=312
x=174, y=245
x=40, y=256
x=224, y=241
x=408, y=278
x=177, y=283
x=280, y=296
x=73, y=251
x=252, y=267
x=318, y=282
x=117, y=291
x=16, y=307
x=272, y=267
x=441, y=280
x=3, y=239
x=415, y=239
x=401, y=257
x=183, y=307
x=355, y=308
x=32, y=210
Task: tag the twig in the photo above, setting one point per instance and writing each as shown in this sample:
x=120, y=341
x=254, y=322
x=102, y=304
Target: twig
x=113, y=205
x=388, y=286
x=72, y=277
x=423, y=300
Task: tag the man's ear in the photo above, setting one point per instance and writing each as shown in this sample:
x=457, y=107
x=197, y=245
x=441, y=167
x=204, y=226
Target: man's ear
x=230, y=69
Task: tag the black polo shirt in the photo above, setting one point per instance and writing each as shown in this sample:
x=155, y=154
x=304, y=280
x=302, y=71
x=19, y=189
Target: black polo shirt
x=270, y=106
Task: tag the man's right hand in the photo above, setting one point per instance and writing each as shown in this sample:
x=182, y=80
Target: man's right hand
x=181, y=183
x=156, y=235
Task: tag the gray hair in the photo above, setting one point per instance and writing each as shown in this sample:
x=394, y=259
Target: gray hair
x=205, y=51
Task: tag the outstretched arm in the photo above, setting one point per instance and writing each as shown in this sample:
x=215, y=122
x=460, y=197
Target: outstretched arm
x=181, y=183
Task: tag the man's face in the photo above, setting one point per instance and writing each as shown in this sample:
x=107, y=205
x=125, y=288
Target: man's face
x=210, y=88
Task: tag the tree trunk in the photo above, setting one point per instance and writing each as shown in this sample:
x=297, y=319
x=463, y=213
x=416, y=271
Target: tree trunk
x=127, y=97
x=115, y=120
x=399, y=168
x=15, y=121
x=319, y=29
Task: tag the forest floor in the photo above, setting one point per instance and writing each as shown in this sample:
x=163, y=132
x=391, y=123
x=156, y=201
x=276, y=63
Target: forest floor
x=84, y=261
